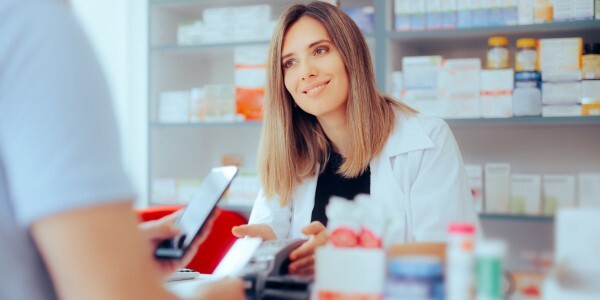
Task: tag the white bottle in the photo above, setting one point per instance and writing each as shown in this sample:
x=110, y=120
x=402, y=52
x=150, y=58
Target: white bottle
x=460, y=264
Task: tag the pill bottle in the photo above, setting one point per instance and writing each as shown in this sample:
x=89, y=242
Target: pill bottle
x=497, y=54
x=591, y=61
x=526, y=55
x=460, y=265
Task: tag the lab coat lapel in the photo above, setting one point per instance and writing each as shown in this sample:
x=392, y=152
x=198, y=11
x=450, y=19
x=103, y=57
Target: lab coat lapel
x=391, y=176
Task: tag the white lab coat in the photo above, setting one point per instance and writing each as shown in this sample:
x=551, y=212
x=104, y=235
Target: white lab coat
x=419, y=177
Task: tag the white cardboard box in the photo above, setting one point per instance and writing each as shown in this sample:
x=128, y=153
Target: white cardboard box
x=497, y=188
x=496, y=93
x=559, y=192
x=589, y=190
x=459, y=87
x=526, y=194
x=475, y=177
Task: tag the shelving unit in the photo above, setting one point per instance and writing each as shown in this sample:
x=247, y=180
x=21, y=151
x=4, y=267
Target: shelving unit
x=530, y=144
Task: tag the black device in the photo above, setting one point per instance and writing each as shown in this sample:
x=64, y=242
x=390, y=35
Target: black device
x=193, y=218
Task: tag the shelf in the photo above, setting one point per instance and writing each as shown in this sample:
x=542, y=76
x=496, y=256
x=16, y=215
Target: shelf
x=207, y=124
x=583, y=120
x=480, y=32
x=507, y=217
x=192, y=48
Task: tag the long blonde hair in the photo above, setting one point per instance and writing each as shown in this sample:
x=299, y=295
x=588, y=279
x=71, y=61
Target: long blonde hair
x=292, y=142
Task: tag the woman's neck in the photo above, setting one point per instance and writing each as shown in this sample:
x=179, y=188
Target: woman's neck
x=336, y=129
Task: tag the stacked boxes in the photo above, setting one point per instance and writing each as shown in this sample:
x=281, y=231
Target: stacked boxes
x=420, y=15
x=496, y=93
x=560, y=65
x=459, y=87
x=420, y=79
x=228, y=24
x=249, y=78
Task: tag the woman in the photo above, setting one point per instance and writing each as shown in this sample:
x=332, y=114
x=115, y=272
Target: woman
x=328, y=131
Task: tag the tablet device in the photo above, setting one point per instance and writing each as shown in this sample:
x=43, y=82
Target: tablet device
x=193, y=218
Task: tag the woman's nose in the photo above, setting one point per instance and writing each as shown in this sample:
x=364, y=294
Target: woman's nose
x=308, y=71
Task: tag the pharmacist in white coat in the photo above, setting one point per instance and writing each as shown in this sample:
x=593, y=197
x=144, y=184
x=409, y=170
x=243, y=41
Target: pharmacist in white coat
x=327, y=131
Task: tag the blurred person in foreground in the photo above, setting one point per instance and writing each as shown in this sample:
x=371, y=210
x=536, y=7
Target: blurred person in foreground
x=67, y=226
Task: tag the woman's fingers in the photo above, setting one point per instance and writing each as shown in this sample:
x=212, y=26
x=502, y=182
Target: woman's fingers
x=313, y=228
x=254, y=230
x=300, y=265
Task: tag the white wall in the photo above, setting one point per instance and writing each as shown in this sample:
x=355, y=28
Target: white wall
x=117, y=30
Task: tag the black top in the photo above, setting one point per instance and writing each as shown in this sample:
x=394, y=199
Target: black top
x=330, y=183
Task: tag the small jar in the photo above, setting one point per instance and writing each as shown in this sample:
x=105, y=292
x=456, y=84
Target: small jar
x=497, y=55
x=590, y=61
x=526, y=56
x=415, y=277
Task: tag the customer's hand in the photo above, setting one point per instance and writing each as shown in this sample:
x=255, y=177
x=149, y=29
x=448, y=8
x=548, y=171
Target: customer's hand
x=303, y=257
x=226, y=289
x=263, y=231
x=164, y=228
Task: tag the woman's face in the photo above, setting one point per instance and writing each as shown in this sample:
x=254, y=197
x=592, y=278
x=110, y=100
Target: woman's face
x=313, y=70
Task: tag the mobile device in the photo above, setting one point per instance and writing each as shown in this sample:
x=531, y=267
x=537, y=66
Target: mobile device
x=193, y=218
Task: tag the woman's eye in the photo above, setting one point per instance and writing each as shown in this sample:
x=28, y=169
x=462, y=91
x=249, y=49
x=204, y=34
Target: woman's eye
x=320, y=51
x=288, y=63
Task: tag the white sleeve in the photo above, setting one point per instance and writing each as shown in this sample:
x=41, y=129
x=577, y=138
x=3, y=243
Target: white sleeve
x=268, y=211
x=59, y=143
x=440, y=193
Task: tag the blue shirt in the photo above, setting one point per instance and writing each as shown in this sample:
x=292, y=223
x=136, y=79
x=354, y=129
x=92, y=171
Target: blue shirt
x=59, y=147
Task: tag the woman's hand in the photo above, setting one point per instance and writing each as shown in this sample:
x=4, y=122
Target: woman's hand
x=164, y=228
x=303, y=258
x=263, y=231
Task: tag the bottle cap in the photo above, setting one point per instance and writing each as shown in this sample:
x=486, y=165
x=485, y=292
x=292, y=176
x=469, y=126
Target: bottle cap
x=461, y=228
x=528, y=76
x=497, y=41
x=526, y=43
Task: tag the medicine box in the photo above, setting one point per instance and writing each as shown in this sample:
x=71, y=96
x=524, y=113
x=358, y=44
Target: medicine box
x=433, y=14
x=526, y=194
x=559, y=192
x=582, y=9
x=589, y=190
x=561, y=93
x=561, y=110
x=497, y=187
x=421, y=72
x=496, y=93
x=560, y=54
x=402, y=12
x=525, y=8
x=459, y=87
x=449, y=8
x=475, y=177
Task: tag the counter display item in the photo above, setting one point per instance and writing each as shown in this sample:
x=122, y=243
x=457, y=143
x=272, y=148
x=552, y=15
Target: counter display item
x=490, y=256
x=460, y=283
x=415, y=277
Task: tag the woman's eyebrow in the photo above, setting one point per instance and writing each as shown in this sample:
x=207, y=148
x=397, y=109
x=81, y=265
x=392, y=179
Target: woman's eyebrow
x=309, y=46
